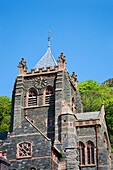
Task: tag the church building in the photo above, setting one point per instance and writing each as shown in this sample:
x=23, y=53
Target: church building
x=49, y=130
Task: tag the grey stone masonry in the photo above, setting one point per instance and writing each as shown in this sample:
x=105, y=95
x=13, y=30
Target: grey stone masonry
x=59, y=96
x=49, y=130
x=41, y=148
x=4, y=163
x=69, y=140
x=18, y=103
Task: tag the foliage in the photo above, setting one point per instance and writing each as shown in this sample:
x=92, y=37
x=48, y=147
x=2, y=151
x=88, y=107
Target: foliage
x=109, y=82
x=5, y=111
x=87, y=86
x=93, y=95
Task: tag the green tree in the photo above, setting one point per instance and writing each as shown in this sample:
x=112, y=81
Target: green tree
x=87, y=86
x=93, y=95
x=5, y=112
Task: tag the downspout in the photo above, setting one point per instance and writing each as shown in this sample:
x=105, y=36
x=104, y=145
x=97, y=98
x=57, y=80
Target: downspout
x=52, y=163
x=97, y=153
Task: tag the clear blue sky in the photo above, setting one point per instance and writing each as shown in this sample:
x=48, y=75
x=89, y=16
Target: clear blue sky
x=82, y=29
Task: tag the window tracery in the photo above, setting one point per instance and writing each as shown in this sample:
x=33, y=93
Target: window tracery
x=24, y=149
x=86, y=153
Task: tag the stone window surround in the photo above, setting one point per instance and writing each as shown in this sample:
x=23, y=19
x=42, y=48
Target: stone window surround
x=86, y=155
x=37, y=96
x=81, y=153
x=27, y=96
x=50, y=96
x=18, y=149
x=107, y=147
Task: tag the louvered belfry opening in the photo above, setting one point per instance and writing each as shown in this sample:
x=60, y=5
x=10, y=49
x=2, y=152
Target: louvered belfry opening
x=49, y=95
x=32, y=97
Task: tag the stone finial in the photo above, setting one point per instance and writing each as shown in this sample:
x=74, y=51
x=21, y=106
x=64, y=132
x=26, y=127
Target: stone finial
x=102, y=108
x=74, y=79
x=22, y=67
x=61, y=61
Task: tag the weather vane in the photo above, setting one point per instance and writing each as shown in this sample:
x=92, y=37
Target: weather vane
x=49, y=38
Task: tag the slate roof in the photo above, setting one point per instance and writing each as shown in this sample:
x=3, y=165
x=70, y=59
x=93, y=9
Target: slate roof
x=46, y=61
x=87, y=116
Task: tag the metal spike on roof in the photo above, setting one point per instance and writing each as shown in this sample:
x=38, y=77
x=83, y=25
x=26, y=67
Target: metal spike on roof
x=47, y=60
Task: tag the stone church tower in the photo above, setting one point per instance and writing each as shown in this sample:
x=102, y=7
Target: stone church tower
x=48, y=127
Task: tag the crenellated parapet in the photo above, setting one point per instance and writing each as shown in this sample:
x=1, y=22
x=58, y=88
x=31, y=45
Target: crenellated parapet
x=61, y=66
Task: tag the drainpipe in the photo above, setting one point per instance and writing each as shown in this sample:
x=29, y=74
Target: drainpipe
x=97, y=153
x=52, y=163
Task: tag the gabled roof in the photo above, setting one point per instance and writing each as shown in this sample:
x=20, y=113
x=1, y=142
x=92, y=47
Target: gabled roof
x=46, y=61
x=87, y=116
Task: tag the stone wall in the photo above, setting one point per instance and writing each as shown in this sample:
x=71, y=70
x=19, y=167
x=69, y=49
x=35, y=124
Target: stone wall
x=96, y=135
x=41, y=148
x=4, y=163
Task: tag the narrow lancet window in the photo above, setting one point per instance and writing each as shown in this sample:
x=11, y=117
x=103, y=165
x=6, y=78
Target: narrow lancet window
x=73, y=105
x=90, y=152
x=82, y=153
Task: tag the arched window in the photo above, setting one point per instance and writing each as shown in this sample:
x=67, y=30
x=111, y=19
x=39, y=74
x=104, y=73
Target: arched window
x=82, y=153
x=24, y=149
x=90, y=152
x=73, y=104
x=49, y=95
x=32, y=168
x=105, y=140
x=107, y=147
x=32, y=97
